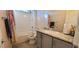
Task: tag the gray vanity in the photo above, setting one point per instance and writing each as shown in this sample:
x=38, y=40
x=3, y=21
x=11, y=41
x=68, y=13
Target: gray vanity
x=53, y=39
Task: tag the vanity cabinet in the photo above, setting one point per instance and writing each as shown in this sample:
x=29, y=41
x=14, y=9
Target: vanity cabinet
x=57, y=43
x=44, y=41
x=47, y=41
x=39, y=40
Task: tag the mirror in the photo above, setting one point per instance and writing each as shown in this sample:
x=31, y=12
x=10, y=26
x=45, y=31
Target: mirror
x=64, y=21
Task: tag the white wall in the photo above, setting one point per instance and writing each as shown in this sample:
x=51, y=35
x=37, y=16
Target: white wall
x=76, y=38
x=33, y=19
x=24, y=23
x=3, y=31
x=3, y=35
x=58, y=16
x=71, y=17
x=42, y=19
x=0, y=37
x=0, y=27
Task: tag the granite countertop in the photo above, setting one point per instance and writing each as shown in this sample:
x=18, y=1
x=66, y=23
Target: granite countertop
x=58, y=35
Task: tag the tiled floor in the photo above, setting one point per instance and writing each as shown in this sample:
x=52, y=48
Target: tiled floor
x=24, y=44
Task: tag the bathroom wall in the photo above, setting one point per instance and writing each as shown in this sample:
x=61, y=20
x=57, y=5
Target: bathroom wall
x=33, y=20
x=0, y=35
x=71, y=17
x=3, y=30
x=57, y=16
x=76, y=38
x=77, y=33
x=60, y=17
x=42, y=19
x=24, y=23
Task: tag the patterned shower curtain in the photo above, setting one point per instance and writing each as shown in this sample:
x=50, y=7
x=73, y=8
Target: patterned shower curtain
x=12, y=23
x=11, y=18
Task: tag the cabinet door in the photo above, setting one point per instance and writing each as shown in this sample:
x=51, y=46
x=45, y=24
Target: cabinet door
x=46, y=41
x=57, y=43
x=39, y=40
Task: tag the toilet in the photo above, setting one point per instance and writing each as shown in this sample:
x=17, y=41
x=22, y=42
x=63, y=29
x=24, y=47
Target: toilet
x=32, y=37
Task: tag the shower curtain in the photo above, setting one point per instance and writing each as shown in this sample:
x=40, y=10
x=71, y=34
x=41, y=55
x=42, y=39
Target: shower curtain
x=10, y=16
x=8, y=28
